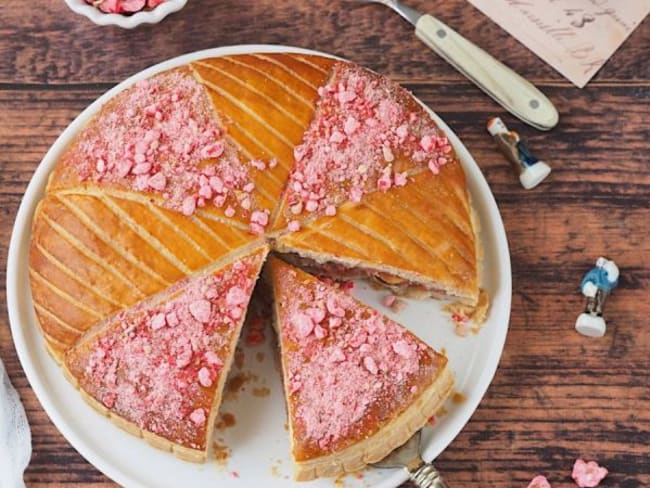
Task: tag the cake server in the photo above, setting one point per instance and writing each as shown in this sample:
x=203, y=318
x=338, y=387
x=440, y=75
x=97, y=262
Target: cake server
x=517, y=95
x=407, y=457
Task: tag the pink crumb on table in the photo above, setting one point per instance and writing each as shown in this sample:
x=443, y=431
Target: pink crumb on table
x=588, y=474
x=539, y=482
x=347, y=359
x=362, y=125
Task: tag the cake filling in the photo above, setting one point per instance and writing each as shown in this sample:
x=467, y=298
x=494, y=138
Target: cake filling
x=339, y=271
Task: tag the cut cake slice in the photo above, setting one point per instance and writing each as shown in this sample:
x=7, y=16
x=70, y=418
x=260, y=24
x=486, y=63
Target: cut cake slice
x=357, y=384
x=417, y=240
x=377, y=190
x=158, y=370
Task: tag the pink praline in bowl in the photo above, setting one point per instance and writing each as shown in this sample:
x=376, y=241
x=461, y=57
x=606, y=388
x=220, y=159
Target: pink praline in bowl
x=126, y=21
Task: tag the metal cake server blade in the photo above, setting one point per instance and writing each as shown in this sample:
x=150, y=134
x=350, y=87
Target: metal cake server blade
x=423, y=475
x=517, y=95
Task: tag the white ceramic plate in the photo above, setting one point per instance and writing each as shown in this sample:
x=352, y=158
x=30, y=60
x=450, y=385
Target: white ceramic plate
x=258, y=440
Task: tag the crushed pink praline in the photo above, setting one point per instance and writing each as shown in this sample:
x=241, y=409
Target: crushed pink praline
x=198, y=417
x=347, y=358
x=361, y=125
x=151, y=364
x=161, y=136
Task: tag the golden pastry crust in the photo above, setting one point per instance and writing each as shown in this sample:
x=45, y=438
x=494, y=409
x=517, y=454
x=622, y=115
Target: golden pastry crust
x=169, y=391
x=182, y=452
x=384, y=426
x=390, y=437
x=422, y=233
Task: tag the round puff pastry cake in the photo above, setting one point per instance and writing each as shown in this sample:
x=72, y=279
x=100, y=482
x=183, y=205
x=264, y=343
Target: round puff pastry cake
x=159, y=215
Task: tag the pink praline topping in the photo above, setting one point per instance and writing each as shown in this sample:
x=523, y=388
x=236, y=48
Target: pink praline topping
x=404, y=349
x=362, y=123
x=198, y=417
x=357, y=360
x=162, y=136
x=158, y=181
x=370, y=365
x=212, y=358
x=172, y=319
x=200, y=310
x=236, y=296
x=334, y=308
x=153, y=360
x=303, y=324
x=320, y=332
x=400, y=179
x=189, y=205
x=315, y=314
x=259, y=217
x=158, y=321
x=205, y=378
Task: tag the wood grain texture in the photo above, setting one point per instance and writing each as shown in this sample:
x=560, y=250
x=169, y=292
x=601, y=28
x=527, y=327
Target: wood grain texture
x=556, y=395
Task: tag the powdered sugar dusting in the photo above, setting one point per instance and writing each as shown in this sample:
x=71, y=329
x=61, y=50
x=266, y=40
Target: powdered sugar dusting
x=158, y=365
x=362, y=125
x=347, y=366
x=162, y=136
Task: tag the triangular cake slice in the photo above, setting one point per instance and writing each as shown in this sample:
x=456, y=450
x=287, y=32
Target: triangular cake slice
x=377, y=190
x=158, y=369
x=357, y=384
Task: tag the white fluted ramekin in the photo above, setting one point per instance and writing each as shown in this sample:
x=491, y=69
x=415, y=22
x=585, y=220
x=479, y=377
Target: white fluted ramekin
x=126, y=21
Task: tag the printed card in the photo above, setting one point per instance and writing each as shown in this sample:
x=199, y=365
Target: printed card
x=576, y=37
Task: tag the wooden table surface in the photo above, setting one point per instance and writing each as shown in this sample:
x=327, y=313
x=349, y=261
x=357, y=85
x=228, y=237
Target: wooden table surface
x=557, y=395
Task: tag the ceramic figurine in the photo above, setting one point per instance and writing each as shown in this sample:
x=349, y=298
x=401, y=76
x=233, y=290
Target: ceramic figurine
x=596, y=285
x=531, y=170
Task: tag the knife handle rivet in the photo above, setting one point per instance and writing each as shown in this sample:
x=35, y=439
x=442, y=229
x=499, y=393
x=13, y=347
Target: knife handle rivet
x=441, y=33
x=534, y=103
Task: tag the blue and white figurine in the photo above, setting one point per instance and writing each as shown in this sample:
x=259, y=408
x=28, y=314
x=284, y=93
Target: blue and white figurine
x=531, y=170
x=596, y=285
